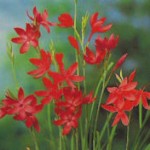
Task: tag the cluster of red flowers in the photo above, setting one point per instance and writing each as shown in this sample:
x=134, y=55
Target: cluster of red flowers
x=59, y=85
x=69, y=108
x=23, y=108
x=124, y=98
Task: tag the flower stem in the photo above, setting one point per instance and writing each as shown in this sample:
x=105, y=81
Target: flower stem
x=77, y=139
x=60, y=140
x=109, y=145
x=34, y=139
x=128, y=131
x=146, y=137
x=105, y=126
x=76, y=34
x=49, y=118
x=14, y=76
x=140, y=114
x=105, y=82
x=72, y=142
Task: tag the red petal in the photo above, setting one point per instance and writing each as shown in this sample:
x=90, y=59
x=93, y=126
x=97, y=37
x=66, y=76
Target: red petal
x=74, y=124
x=93, y=18
x=74, y=43
x=90, y=56
x=109, y=108
x=29, y=122
x=36, y=124
x=18, y=40
x=48, y=84
x=145, y=103
x=124, y=119
x=59, y=122
x=105, y=28
x=59, y=59
x=129, y=86
x=30, y=99
x=46, y=26
x=72, y=69
x=128, y=106
x=65, y=20
x=66, y=129
x=112, y=98
x=21, y=94
x=47, y=100
x=25, y=47
x=116, y=120
x=120, y=62
x=35, y=11
x=35, y=61
x=20, y=31
x=112, y=89
x=130, y=96
x=37, y=73
x=77, y=78
x=34, y=42
x=132, y=75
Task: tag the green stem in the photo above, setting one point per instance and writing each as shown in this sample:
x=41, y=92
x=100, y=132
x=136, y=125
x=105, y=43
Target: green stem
x=146, y=136
x=102, y=79
x=14, y=76
x=60, y=140
x=72, y=142
x=98, y=86
x=140, y=132
x=105, y=126
x=146, y=118
x=102, y=93
x=109, y=145
x=84, y=142
x=138, y=139
x=128, y=131
x=140, y=114
x=34, y=139
x=76, y=34
x=49, y=117
x=77, y=139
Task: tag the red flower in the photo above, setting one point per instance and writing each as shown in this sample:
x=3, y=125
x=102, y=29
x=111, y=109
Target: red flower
x=69, y=108
x=107, y=43
x=69, y=120
x=125, y=91
x=97, y=25
x=65, y=20
x=32, y=121
x=122, y=98
x=66, y=75
x=73, y=100
x=74, y=43
x=143, y=97
x=88, y=98
x=41, y=19
x=92, y=58
x=42, y=63
x=51, y=92
x=26, y=37
x=121, y=115
x=23, y=108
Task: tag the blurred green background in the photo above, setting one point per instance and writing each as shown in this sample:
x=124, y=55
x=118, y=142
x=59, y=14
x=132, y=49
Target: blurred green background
x=131, y=21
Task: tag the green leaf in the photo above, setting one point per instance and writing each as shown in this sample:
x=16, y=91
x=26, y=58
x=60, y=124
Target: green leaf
x=147, y=147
